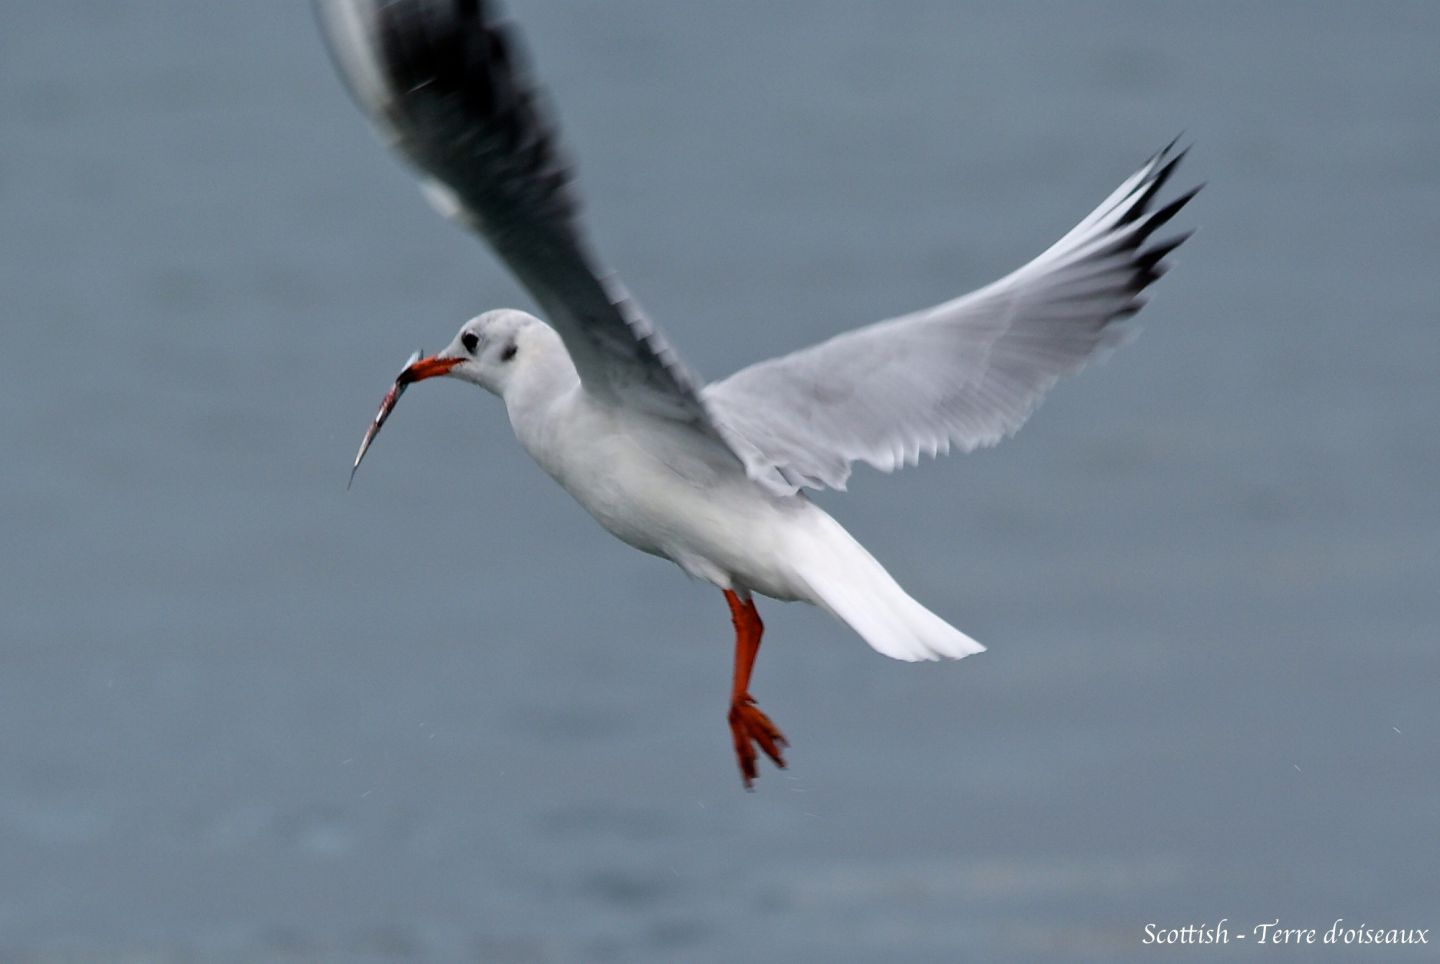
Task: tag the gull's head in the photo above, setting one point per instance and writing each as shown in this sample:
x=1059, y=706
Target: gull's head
x=489, y=349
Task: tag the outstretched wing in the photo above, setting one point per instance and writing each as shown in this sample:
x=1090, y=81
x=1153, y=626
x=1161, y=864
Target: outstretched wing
x=443, y=82
x=966, y=373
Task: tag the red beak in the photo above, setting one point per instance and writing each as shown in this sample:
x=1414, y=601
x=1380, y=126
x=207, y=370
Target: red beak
x=426, y=368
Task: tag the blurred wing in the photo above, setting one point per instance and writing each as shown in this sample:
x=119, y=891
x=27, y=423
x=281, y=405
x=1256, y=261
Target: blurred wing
x=443, y=83
x=966, y=373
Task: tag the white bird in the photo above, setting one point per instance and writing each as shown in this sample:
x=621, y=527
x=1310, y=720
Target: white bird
x=710, y=476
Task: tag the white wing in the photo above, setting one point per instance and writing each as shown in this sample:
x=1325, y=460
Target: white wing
x=442, y=81
x=966, y=373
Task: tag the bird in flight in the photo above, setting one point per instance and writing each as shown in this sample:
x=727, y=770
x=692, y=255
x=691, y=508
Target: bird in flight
x=711, y=476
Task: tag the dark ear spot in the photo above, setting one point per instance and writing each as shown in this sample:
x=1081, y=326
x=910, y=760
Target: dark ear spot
x=509, y=352
x=470, y=340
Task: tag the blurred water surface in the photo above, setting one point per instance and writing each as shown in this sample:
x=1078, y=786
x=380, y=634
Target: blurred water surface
x=246, y=715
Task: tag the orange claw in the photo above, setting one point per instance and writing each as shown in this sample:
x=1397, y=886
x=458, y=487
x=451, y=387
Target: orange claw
x=748, y=725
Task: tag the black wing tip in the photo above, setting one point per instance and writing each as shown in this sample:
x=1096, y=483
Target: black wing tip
x=1149, y=259
x=1156, y=219
x=1162, y=167
x=1168, y=154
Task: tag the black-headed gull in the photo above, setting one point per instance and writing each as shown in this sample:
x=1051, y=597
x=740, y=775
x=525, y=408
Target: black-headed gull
x=710, y=476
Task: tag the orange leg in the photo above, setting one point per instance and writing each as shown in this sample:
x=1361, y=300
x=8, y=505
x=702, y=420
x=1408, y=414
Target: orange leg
x=747, y=724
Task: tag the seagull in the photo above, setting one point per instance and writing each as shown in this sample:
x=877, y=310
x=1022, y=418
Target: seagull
x=713, y=476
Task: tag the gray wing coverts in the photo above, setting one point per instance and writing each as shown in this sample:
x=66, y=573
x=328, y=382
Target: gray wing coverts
x=963, y=374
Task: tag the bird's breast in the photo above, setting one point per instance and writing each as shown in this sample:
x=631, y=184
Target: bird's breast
x=644, y=479
x=669, y=490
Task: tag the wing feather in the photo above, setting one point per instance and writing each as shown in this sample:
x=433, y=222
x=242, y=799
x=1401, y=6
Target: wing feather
x=445, y=83
x=963, y=374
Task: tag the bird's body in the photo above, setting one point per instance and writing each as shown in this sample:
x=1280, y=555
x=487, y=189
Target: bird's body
x=711, y=477
x=663, y=487
x=672, y=493
x=659, y=486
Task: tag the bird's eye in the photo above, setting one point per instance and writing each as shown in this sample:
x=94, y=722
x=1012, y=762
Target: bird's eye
x=470, y=340
x=509, y=352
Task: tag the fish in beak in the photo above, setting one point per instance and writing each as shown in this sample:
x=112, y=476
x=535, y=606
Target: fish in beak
x=416, y=369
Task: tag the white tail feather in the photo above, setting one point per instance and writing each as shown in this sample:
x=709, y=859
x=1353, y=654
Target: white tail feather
x=851, y=585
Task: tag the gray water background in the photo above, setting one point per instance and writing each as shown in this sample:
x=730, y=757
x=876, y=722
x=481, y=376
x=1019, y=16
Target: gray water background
x=247, y=715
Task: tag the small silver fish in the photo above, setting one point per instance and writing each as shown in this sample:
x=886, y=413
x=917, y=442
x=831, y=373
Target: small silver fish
x=387, y=405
